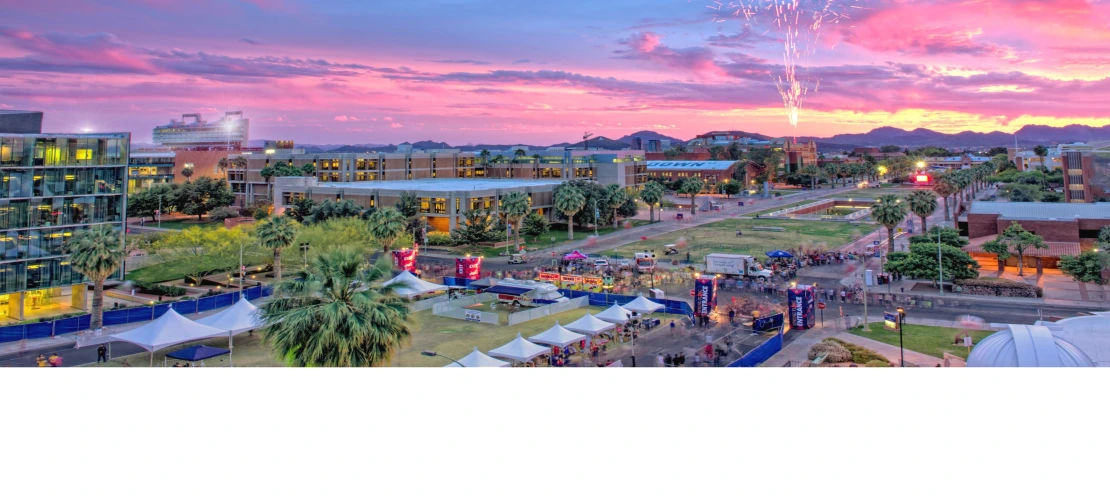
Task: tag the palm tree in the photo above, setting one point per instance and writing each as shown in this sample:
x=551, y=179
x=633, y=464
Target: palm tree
x=96, y=253
x=518, y=154
x=386, y=225
x=615, y=196
x=889, y=211
x=691, y=187
x=336, y=315
x=922, y=204
x=652, y=194
x=499, y=159
x=569, y=200
x=515, y=207
x=187, y=171
x=536, y=159
x=944, y=187
x=277, y=234
x=484, y=155
x=1041, y=153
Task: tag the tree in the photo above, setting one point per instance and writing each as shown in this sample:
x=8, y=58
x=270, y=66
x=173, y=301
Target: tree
x=329, y=209
x=269, y=172
x=515, y=207
x=615, y=196
x=922, y=204
x=998, y=150
x=146, y=203
x=691, y=187
x=921, y=263
x=569, y=200
x=943, y=186
x=536, y=159
x=301, y=209
x=731, y=189
x=1087, y=267
x=1020, y=241
x=484, y=156
x=889, y=211
x=499, y=159
x=768, y=160
x=195, y=252
x=187, y=172
x=307, y=170
x=734, y=152
x=407, y=204
x=202, y=195
x=277, y=234
x=534, y=225
x=1000, y=250
x=336, y=314
x=716, y=152
x=652, y=194
x=1018, y=194
x=1052, y=198
x=890, y=149
x=97, y=253
x=948, y=236
x=477, y=228
x=1041, y=153
x=518, y=154
x=1104, y=237
x=386, y=225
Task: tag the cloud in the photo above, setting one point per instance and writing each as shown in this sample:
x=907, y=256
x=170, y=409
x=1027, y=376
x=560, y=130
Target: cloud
x=459, y=61
x=745, y=39
x=250, y=41
x=345, y=118
x=648, y=46
x=396, y=125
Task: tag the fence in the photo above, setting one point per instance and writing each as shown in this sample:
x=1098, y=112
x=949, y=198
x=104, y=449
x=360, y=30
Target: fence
x=116, y=317
x=539, y=312
x=607, y=300
x=757, y=356
x=470, y=315
x=462, y=302
x=424, y=305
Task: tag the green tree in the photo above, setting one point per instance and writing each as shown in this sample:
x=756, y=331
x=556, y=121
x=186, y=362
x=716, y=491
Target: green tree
x=187, y=172
x=336, y=315
x=308, y=170
x=716, y=152
x=1104, y=236
x=922, y=204
x=569, y=200
x=1019, y=241
x=1041, y=153
x=535, y=225
x=269, y=172
x=889, y=211
x=1000, y=250
x=768, y=160
x=407, y=204
x=536, y=159
x=948, y=236
x=734, y=152
x=1087, y=267
x=652, y=194
x=945, y=187
x=195, y=252
x=386, y=226
x=277, y=234
x=731, y=189
x=515, y=207
x=921, y=263
x=477, y=228
x=97, y=253
x=301, y=209
x=691, y=187
x=518, y=154
x=202, y=195
x=484, y=156
x=1052, y=198
x=145, y=203
x=615, y=196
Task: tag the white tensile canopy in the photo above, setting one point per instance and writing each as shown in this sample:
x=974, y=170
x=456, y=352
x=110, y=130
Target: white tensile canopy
x=589, y=325
x=408, y=285
x=615, y=314
x=643, y=306
x=240, y=317
x=478, y=360
x=168, y=330
x=557, y=336
x=519, y=350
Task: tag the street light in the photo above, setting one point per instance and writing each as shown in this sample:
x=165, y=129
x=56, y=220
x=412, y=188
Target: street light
x=432, y=354
x=901, y=349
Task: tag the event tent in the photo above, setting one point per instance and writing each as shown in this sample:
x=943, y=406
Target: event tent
x=169, y=329
x=408, y=285
x=615, y=314
x=483, y=283
x=557, y=336
x=643, y=306
x=519, y=350
x=589, y=325
x=575, y=255
x=197, y=353
x=780, y=254
x=240, y=317
x=478, y=360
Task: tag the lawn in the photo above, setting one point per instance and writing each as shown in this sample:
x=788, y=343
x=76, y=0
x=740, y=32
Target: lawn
x=720, y=237
x=931, y=340
x=897, y=190
x=548, y=239
x=184, y=223
x=162, y=272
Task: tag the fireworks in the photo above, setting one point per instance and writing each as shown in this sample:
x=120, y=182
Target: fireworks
x=799, y=24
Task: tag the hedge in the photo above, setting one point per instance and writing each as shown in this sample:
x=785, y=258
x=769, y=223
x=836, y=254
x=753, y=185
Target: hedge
x=1000, y=288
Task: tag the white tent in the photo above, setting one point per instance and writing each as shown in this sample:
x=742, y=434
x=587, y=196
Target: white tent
x=478, y=360
x=240, y=317
x=643, y=306
x=615, y=314
x=408, y=285
x=589, y=325
x=519, y=350
x=168, y=330
x=557, y=336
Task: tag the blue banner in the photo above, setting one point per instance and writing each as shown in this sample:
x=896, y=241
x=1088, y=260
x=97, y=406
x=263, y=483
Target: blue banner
x=705, y=296
x=769, y=323
x=802, y=304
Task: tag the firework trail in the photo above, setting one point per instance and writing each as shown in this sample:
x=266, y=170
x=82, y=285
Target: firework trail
x=799, y=24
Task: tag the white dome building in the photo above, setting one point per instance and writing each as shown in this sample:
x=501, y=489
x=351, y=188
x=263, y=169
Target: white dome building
x=1091, y=334
x=1027, y=346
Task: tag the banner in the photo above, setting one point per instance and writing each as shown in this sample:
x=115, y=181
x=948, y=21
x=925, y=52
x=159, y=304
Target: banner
x=801, y=300
x=890, y=321
x=705, y=296
x=549, y=277
x=768, y=323
x=405, y=259
x=468, y=268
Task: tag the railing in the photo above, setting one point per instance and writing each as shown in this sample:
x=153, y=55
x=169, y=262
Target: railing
x=539, y=312
x=424, y=305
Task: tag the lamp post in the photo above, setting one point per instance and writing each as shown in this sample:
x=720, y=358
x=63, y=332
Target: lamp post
x=432, y=354
x=901, y=349
x=940, y=262
x=304, y=250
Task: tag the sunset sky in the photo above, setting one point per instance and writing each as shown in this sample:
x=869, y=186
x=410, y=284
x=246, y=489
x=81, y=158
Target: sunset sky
x=539, y=72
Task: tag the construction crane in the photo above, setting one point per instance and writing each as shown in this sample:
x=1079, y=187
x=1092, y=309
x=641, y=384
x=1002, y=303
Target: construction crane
x=586, y=140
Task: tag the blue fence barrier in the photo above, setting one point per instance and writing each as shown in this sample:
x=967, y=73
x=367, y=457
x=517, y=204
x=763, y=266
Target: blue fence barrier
x=608, y=300
x=116, y=317
x=757, y=356
x=459, y=282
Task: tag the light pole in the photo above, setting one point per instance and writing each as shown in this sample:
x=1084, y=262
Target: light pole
x=304, y=250
x=940, y=262
x=901, y=349
x=159, y=211
x=432, y=354
x=595, y=217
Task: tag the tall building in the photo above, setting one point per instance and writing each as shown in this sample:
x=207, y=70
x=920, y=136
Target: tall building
x=1077, y=177
x=52, y=186
x=230, y=133
x=146, y=169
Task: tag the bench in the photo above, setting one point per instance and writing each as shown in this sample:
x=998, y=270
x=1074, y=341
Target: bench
x=768, y=228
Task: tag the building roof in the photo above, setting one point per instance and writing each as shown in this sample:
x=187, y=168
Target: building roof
x=1027, y=347
x=690, y=165
x=154, y=154
x=1055, y=248
x=1042, y=211
x=442, y=184
x=1091, y=334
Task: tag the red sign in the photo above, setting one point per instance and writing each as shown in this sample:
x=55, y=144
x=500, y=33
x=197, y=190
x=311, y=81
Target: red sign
x=552, y=277
x=568, y=278
x=469, y=268
x=405, y=259
x=820, y=305
x=589, y=280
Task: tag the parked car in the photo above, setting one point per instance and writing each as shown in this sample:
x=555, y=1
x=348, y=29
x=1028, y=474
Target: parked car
x=517, y=258
x=601, y=264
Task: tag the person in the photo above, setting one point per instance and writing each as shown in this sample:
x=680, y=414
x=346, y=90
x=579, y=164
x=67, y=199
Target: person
x=681, y=359
x=672, y=329
x=55, y=360
x=659, y=360
x=731, y=317
x=843, y=295
x=697, y=359
x=176, y=365
x=41, y=361
x=667, y=360
x=101, y=354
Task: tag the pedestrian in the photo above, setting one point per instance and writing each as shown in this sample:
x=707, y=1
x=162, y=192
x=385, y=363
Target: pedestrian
x=659, y=360
x=667, y=360
x=41, y=361
x=697, y=359
x=903, y=289
x=673, y=334
x=101, y=354
x=843, y=296
x=55, y=360
x=731, y=317
x=681, y=359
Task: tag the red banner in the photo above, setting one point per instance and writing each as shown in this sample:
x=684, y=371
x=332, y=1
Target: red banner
x=552, y=277
x=405, y=259
x=469, y=268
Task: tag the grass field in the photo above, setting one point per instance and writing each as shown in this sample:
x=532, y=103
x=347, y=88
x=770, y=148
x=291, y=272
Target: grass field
x=549, y=239
x=183, y=223
x=877, y=192
x=931, y=340
x=720, y=237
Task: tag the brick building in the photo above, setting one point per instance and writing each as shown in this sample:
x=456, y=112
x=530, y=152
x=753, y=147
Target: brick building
x=1066, y=228
x=1078, y=172
x=711, y=172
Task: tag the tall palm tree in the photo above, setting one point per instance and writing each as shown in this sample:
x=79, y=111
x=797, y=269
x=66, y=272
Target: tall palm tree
x=1041, y=153
x=569, y=200
x=484, y=157
x=536, y=159
x=277, y=234
x=336, y=315
x=615, y=197
x=386, y=225
x=691, y=187
x=922, y=204
x=652, y=194
x=889, y=211
x=943, y=186
x=515, y=207
x=96, y=253
x=518, y=154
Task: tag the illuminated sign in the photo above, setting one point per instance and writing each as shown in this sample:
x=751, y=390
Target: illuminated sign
x=552, y=277
x=922, y=178
x=592, y=281
x=468, y=268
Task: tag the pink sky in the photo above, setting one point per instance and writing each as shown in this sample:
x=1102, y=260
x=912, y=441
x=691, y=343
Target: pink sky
x=499, y=71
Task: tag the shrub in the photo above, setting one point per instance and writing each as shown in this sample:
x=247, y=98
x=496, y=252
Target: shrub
x=222, y=213
x=439, y=238
x=1000, y=288
x=159, y=289
x=860, y=355
x=833, y=352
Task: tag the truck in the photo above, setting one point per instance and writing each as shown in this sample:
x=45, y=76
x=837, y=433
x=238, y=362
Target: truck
x=537, y=293
x=645, y=262
x=742, y=266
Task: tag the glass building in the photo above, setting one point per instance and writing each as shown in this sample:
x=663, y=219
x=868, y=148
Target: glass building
x=51, y=186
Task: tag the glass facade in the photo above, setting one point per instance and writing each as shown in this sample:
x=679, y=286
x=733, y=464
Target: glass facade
x=52, y=186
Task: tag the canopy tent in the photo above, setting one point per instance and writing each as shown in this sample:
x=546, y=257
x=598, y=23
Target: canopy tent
x=780, y=254
x=643, y=306
x=486, y=282
x=519, y=350
x=408, y=285
x=615, y=314
x=515, y=291
x=240, y=317
x=589, y=325
x=197, y=353
x=575, y=255
x=557, y=336
x=478, y=360
x=170, y=329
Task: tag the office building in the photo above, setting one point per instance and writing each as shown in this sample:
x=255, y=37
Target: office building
x=53, y=185
x=192, y=132
x=146, y=169
x=1066, y=228
x=710, y=172
x=955, y=162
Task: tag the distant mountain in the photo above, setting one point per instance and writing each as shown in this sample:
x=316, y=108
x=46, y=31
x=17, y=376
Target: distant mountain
x=1027, y=136
x=595, y=142
x=1065, y=134
x=648, y=135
